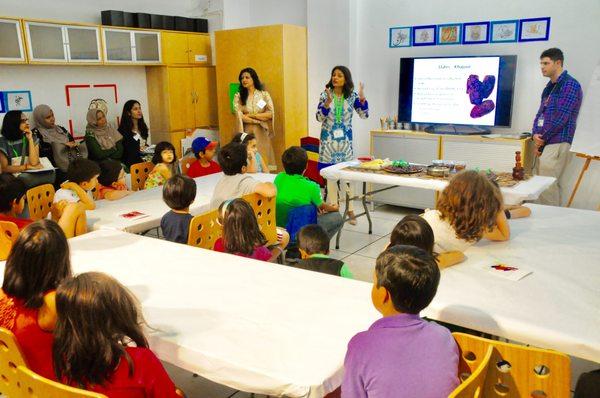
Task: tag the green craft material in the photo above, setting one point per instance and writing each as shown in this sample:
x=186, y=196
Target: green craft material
x=234, y=88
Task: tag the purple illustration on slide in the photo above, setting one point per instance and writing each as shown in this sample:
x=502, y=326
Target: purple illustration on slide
x=478, y=92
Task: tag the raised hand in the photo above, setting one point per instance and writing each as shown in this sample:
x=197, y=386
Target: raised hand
x=361, y=92
x=329, y=97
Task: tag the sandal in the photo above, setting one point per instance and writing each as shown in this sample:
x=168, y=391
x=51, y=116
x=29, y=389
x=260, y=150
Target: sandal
x=351, y=218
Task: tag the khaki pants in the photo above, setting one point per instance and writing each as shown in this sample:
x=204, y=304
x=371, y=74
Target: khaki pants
x=552, y=164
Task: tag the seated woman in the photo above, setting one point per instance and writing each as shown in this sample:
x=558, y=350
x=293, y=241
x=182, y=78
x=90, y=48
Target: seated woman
x=56, y=143
x=103, y=140
x=38, y=262
x=19, y=150
x=134, y=131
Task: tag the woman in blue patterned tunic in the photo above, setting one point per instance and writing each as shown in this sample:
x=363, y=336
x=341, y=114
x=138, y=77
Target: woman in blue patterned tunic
x=335, y=111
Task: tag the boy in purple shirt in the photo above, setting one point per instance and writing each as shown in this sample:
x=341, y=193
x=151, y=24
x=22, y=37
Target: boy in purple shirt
x=401, y=355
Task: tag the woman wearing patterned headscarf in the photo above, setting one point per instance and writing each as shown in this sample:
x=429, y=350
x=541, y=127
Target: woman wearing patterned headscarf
x=102, y=139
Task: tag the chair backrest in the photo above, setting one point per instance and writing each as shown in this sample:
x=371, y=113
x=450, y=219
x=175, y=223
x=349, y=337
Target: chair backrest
x=9, y=232
x=264, y=208
x=298, y=218
x=10, y=358
x=139, y=173
x=34, y=385
x=185, y=163
x=473, y=385
x=519, y=371
x=39, y=201
x=205, y=230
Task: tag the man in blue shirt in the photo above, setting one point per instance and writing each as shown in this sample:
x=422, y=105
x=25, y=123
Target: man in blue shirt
x=555, y=122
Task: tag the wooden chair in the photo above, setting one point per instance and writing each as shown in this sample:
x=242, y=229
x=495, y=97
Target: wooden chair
x=205, y=230
x=9, y=232
x=34, y=385
x=39, y=201
x=10, y=358
x=472, y=377
x=264, y=208
x=139, y=173
x=518, y=371
x=185, y=164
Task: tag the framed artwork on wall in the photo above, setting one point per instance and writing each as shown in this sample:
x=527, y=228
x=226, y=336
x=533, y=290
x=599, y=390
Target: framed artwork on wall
x=424, y=35
x=504, y=31
x=534, y=29
x=17, y=101
x=400, y=37
x=476, y=33
x=449, y=34
x=2, y=106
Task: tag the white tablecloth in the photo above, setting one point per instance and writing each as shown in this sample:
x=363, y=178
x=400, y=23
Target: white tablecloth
x=557, y=306
x=251, y=325
x=525, y=190
x=149, y=201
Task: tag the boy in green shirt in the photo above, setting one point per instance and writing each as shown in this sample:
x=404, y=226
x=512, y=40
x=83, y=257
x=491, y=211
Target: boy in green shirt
x=314, y=248
x=295, y=190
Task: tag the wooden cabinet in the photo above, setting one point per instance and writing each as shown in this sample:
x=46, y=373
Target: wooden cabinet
x=186, y=48
x=11, y=43
x=204, y=93
x=123, y=46
x=58, y=43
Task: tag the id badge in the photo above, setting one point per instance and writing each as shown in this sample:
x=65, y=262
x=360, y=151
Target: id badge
x=338, y=133
x=540, y=122
x=261, y=104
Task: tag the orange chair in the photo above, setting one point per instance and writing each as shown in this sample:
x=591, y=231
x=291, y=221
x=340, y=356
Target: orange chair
x=139, y=174
x=204, y=230
x=34, y=385
x=10, y=358
x=9, y=232
x=185, y=164
x=264, y=208
x=39, y=201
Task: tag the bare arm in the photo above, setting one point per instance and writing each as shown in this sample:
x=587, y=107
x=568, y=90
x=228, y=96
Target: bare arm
x=252, y=166
x=116, y=195
x=328, y=208
x=85, y=199
x=47, y=312
x=501, y=231
x=9, y=168
x=264, y=165
x=263, y=116
x=448, y=259
x=266, y=189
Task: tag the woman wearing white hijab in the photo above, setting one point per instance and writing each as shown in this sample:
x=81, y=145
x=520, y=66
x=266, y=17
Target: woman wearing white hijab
x=103, y=140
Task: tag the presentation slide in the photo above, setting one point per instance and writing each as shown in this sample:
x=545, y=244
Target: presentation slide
x=455, y=90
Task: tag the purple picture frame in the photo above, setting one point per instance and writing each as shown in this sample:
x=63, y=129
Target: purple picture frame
x=483, y=40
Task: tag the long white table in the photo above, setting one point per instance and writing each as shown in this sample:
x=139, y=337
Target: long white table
x=557, y=306
x=251, y=325
x=107, y=214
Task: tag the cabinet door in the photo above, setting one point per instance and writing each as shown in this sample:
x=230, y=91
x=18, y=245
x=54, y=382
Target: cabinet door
x=175, y=48
x=46, y=42
x=199, y=49
x=118, y=46
x=205, y=96
x=181, y=111
x=11, y=45
x=83, y=43
x=147, y=47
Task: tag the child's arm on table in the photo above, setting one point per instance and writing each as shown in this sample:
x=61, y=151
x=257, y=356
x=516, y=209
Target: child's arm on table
x=448, y=259
x=501, y=231
x=116, y=194
x=517, y=211
x=87, y=202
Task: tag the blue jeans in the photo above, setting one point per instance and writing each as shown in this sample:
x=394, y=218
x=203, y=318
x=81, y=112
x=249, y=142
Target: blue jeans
x=330, y=222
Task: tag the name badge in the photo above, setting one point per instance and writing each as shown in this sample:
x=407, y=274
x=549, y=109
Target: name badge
x=261, y=104
x=540, y=122
x=338, y=133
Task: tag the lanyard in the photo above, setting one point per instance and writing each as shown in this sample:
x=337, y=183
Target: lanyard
x=338, y=105
x=23, y=147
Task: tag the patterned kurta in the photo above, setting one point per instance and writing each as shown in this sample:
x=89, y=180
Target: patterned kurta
x=337, y=148
x=264, y=130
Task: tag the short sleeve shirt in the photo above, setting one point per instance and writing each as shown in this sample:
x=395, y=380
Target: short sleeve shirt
x=197, y=170
x=231, y=187
x=14, y=148
x=176, y=226
x=294, y=190
x=445, y=235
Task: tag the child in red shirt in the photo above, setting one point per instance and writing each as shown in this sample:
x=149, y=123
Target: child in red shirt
x=111, y=181
x=12, y=200
x=204, y=150
x=98, y=320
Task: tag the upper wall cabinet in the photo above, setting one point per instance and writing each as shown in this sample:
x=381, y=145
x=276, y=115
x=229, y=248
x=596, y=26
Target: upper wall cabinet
x=186, y=48
x=11, y=41
x=131, y=46
x=56, y=43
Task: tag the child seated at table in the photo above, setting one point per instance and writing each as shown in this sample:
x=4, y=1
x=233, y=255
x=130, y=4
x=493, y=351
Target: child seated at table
x=204, y=150
x=111, y=182
x=413, y=230
x=256, y=163
x=12, y=200
x=233, y=159
x=165, y=165
x=99, y=343
x=241, y=234
x=38, y=262
x=468, y=209
x=179, y=193
x=314, y=249
x=402, y=355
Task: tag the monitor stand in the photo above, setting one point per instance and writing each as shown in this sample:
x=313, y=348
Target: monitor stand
x=456, y=130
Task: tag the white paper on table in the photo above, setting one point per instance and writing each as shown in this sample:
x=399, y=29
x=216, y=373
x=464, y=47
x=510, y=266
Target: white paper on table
x=506, y=271
x=45, y=162
x=133, y=215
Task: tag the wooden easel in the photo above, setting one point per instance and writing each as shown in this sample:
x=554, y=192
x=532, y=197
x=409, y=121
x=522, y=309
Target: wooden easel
x=586, y=165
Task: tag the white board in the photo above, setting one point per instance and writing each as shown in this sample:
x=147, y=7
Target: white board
x=79, y=98
x=587, y=135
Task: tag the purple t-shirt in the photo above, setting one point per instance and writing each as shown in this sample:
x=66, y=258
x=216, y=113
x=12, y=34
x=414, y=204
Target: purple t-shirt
x=401, y=356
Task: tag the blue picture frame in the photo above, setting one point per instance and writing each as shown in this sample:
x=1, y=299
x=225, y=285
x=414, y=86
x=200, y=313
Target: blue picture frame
x=9, y=105
x=469, y=40
x=406, y=43
x=421, y=40
x=2, y=106
x=498, y=25
x=525, y=33
x=439, y=37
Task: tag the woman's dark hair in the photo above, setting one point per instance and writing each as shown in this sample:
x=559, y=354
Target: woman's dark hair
x=38, y=262
x=410, y=275
x=126, y=123
x=11, y=189
x=241, y=233
x=109, y=172
x=247, y=138
x=162, y=146
x=413, y=230
x=348, y=83
x=179, y=192
x=232, y=158
x=96, y=318
x=243, y=90
x=294, y=160
x=11, y=125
